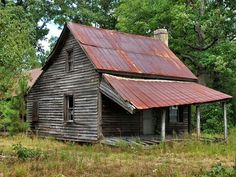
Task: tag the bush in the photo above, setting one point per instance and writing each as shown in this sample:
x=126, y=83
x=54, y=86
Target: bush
x=9, y=119
x=13, y=111
x=220, y=171
x=24, y=153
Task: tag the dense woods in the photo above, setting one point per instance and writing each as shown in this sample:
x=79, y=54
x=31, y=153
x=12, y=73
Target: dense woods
x=201, y=32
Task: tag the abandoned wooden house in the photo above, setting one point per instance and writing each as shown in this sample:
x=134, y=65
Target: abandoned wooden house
x=101, y=83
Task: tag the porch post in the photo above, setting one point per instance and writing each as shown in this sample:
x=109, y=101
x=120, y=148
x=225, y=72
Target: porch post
x=225, y=121
x=163, y=124
x=198, y=121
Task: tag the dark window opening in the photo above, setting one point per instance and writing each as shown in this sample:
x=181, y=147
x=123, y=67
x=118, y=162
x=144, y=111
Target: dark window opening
x=69, y=108
x=35, y=109
x=175, y=114
x=70, y=60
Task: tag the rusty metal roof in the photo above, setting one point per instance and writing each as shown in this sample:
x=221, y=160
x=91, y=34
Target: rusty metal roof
x=147, y=93
x=121, y=52
x=33, y=76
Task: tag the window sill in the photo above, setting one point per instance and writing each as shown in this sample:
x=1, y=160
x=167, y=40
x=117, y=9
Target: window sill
x=175, y=123
x=69, y=122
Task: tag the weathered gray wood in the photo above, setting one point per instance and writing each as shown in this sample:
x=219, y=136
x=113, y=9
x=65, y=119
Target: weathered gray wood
x=163, y=124
x=175, y=128
x=116, y=121
x=198, y=121
x=225, y=121
x=110, y=93
x=82, y=82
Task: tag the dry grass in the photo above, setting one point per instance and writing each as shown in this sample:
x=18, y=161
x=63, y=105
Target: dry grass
x=187, y=158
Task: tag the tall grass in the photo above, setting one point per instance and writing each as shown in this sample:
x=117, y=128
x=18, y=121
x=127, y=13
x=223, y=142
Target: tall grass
x=187, y=158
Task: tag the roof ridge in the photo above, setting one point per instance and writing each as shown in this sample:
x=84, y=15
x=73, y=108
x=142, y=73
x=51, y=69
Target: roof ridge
x=121, y=32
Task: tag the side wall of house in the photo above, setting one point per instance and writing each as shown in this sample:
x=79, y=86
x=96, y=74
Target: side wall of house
x=50, y=91
x=116, y=121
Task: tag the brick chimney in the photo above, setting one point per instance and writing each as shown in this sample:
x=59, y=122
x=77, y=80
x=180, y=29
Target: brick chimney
x=162, y=35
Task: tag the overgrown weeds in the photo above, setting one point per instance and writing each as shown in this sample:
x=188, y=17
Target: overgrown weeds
x=24, y=153
x=47, y=157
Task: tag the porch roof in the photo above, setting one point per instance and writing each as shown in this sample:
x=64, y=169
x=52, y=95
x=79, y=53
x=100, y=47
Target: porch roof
x=149, y=93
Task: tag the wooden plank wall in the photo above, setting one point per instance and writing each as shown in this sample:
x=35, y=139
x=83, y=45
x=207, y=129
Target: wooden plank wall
x=116, y=121
x=179, y=127
x=49, y=91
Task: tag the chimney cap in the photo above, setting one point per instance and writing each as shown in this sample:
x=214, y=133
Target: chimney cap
x=161, y=31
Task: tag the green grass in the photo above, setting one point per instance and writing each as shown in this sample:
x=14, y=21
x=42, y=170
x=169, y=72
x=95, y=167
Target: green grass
x=48, y=157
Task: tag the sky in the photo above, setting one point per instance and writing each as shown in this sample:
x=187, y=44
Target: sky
x=53, y=31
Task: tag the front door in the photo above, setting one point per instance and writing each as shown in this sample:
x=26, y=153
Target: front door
x=149, y=122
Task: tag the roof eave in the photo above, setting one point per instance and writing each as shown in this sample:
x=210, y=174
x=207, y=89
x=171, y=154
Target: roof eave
x=146, y=76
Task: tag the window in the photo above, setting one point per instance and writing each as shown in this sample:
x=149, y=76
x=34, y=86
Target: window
x=35, y=112
x=175, y=114
x=69, y=108
x=70, y=60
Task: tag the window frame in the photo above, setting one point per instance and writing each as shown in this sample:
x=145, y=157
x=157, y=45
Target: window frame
x=180, y=114
x=69, y=60
x=67, y=109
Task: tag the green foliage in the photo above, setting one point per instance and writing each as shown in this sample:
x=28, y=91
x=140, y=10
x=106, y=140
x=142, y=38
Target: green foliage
x=13, y=111
x=24, y=153
x=220, y=171
x=10, y=119
x=90, y=12
x=201, y=33
x=212, y=121
x=16, y=50
x=40, y=12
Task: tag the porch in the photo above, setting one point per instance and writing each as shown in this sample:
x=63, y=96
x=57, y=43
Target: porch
x=141, y=107
x=151, y=125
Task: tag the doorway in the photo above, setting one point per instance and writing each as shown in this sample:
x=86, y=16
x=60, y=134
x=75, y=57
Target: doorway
x=149, y=122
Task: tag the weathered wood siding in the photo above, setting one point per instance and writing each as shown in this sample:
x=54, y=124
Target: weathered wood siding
x=179, y=127
x=50, y=89
x=116, y=121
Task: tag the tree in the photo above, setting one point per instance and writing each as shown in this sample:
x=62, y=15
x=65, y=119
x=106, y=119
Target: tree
x=17, y=52
x=202, y=34
x=99, y=13
x=40, y=12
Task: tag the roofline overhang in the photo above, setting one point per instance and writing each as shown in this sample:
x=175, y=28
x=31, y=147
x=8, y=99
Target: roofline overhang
x=108, y=91
x=145, y=76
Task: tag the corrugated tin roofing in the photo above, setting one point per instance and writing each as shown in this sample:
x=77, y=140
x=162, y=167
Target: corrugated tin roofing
x=146, y=93
x=121, y=52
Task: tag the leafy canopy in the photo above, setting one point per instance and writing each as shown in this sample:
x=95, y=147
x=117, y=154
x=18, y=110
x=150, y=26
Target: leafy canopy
x=17, y=53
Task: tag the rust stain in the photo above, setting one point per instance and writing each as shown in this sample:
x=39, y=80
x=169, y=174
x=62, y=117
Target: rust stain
x=129, y=53
x=147, y=93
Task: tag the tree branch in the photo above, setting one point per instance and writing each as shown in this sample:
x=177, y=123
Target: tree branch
x=205, y=47
x=192, y=60
x=3, y=2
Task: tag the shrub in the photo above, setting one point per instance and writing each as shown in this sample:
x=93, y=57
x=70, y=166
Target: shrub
x=220, y=171
x=13, y=110
x=10, y=121
x=24, y=153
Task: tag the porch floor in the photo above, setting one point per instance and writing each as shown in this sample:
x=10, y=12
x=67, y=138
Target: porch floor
x=145, y=140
